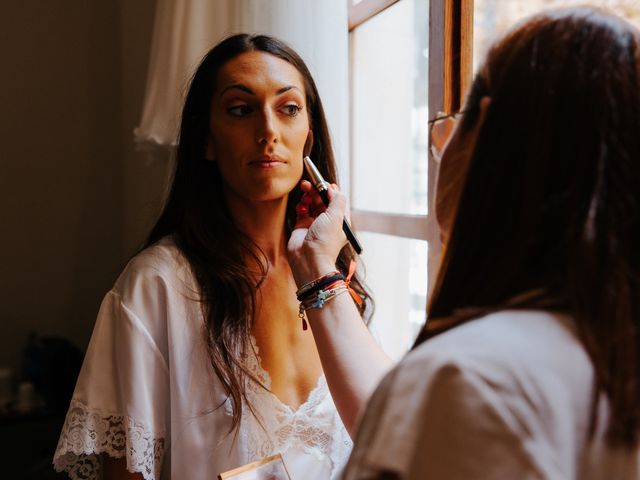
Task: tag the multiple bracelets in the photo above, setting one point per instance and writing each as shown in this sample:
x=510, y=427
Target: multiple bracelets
x=316, y=293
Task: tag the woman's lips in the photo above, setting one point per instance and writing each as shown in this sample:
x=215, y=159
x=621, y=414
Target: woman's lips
x=267, y=162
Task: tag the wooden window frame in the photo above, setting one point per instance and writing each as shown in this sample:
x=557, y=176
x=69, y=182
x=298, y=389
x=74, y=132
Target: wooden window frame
x=450, y=73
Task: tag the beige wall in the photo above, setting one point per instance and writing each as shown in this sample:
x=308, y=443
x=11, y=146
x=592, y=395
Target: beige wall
x=74, y=195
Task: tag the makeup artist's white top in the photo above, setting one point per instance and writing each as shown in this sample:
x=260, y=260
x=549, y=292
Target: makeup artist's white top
x=146, y=391
x=507, y=396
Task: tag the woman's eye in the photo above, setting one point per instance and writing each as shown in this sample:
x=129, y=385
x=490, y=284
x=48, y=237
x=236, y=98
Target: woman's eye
x=291, y=109
x=239, y=110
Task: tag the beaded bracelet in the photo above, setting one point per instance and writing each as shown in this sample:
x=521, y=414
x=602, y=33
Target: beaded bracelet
x=323, y=280
x=305, y=292
x=316, y=293
x=320, y=298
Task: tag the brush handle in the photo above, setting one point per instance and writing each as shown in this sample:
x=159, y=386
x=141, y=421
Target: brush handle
x=346, y=228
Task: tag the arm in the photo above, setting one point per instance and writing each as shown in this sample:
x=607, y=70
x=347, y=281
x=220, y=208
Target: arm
x=124, y=379
x=352, y=361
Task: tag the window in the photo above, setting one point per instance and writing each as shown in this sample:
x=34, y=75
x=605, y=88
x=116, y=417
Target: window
x=401, y=74
x=409, y=60
x=494, y=17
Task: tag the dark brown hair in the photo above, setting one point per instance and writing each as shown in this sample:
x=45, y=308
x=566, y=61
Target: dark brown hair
x=551, y=197
x=196, y=216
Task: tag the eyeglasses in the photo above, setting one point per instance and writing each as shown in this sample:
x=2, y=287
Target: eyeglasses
x=440, y=129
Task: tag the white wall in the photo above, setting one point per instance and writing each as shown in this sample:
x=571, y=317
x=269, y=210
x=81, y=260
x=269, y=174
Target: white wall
x=73, y=76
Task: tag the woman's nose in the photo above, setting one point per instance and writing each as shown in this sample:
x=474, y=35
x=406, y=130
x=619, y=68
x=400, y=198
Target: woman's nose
x=267, y=130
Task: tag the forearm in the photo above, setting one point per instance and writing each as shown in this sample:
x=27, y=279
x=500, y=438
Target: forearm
x=351, y=359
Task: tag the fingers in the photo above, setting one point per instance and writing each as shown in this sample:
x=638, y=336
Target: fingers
x=305, y=186
x=318, y=228
x=312, y=205
x=311, y=199
x=303, y=214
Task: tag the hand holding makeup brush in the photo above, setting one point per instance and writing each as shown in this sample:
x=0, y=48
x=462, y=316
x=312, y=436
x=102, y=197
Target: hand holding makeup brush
x=353, y=361
x=317, y=237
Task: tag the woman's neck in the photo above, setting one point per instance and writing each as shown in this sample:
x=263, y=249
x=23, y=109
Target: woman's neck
x=263, y=222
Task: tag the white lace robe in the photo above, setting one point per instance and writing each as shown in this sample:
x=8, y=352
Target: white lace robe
x=147, y=392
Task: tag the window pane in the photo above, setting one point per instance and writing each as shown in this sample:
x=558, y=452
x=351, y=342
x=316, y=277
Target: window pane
x=389, y=101
x=396, y=273
x=492, y=18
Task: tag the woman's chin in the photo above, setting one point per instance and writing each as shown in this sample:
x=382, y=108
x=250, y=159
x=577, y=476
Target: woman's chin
x=269, y=196
x=262, y=192
x=274, y=191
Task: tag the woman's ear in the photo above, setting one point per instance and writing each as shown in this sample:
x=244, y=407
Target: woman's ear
x=209, y=152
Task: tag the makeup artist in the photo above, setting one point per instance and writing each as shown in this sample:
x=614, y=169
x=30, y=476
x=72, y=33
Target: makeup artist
x=529, y=364
x=199, y=362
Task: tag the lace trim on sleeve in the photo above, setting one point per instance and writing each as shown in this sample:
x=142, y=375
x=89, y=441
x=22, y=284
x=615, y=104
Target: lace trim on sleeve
x=87, y=433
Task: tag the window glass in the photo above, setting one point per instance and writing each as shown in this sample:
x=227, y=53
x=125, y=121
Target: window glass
x=389, y=110
x=396, y=273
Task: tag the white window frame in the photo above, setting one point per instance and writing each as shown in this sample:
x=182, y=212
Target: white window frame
x=450, y=68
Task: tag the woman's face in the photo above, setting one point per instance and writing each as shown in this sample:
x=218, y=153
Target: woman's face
x=259, y=126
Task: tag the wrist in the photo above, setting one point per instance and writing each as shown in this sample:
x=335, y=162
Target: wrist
x=309, y=267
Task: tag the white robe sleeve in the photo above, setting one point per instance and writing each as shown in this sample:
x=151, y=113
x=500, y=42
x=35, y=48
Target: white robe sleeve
x=120, y=406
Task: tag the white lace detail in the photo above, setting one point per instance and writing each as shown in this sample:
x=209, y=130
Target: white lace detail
x=87, y=433
x=314, y=426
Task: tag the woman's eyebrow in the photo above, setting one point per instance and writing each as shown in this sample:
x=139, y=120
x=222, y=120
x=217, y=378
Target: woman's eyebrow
x=286, y=89
x=244, y=88
x=238, y=86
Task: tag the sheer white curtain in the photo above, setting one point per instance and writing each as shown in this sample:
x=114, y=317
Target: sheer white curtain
x=184, y=30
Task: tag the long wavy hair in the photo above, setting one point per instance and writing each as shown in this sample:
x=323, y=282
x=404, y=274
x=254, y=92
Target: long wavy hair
x=228, y=265
x=551, y=197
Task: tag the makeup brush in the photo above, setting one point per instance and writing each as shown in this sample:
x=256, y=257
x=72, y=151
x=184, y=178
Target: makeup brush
x=323, y=189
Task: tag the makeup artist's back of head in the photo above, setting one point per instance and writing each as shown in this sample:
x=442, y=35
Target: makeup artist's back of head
x=551, y=201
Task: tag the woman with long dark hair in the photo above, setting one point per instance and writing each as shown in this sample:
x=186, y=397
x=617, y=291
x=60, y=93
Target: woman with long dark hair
x=529, y=364
x=199, y=362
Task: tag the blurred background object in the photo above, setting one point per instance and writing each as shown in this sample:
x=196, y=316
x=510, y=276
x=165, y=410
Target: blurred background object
x=34, y=406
